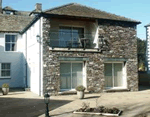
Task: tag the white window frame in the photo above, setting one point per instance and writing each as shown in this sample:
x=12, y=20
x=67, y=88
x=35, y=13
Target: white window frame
x=83, y=73
x=15, y=34
x=124, y=77
x=1, y=70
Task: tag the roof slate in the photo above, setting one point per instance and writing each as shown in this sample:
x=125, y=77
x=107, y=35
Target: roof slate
x=13, y=23
x=79, y=10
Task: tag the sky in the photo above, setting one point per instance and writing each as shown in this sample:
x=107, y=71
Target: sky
x=134, y=9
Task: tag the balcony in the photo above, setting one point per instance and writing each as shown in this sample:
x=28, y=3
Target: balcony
x=71, y=40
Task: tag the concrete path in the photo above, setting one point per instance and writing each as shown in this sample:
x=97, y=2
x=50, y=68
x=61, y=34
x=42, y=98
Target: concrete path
x=133, y=104
x=27, y=104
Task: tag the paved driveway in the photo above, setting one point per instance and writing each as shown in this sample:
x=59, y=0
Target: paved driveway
x=27, y=104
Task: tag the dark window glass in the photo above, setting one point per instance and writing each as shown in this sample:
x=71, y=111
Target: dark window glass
x=7, y=46
x=7, y=38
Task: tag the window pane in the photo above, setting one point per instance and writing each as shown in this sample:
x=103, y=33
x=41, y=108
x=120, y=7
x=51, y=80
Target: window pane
x=13, y=47
x=65, y=37
x=5, y=65
x=13, y=38
x=65, y=75
x=7, y=38
x=7, y=46
x=77, y=77
x=118, y=81
x=77, y=34
x=5, y=73
x=108, y=75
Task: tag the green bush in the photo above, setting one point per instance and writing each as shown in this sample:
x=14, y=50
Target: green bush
x=80, y=88
x=5, y=86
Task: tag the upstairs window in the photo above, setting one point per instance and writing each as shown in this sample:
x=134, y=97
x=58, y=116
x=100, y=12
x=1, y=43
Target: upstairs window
x=10, y=42
x=9, y=12
x=69, y=36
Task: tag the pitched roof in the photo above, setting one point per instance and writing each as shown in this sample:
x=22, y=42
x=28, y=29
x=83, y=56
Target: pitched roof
x=8, y=8
x=147, y=25
x=13, y=23
x=78, y=10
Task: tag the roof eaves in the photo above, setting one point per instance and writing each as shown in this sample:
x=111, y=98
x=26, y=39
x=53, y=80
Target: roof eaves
x=51, y=14
x=147, y=25
x=30, y=24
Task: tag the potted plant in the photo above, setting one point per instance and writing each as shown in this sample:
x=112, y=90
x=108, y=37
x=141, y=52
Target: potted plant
x=5, y=89
x=80, y=91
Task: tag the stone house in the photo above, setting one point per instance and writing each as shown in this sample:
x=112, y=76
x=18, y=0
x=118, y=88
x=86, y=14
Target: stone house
x=73, y=45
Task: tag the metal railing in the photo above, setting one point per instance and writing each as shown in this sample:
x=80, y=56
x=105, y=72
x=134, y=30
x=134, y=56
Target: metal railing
x=71, y=40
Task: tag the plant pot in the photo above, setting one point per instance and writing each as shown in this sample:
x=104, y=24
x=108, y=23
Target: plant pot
x=80, y=94
x=5, y=91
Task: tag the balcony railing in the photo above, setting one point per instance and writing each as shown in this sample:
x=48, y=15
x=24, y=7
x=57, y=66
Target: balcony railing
x=71, y=40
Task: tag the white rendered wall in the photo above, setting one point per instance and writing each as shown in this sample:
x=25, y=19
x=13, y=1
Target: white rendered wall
x=16, y=60
x=148, y=48
x=33, y=57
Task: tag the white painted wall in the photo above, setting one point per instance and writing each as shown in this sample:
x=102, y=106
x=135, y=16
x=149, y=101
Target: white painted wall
x=148, y=48
x=33, y=57
x=16, y=60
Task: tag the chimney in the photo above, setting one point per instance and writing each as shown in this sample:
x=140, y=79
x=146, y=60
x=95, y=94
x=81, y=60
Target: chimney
x=1, y=6
x=38, y=7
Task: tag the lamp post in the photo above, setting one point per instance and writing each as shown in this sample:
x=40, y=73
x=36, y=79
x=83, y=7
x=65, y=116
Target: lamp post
x=46, y=100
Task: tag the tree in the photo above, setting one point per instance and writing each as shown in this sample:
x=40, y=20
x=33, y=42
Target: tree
x=141, y=51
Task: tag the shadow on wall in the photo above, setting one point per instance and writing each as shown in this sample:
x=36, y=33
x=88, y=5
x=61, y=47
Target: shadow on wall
x=27, y=72
x=18, y=74
x=1, y=49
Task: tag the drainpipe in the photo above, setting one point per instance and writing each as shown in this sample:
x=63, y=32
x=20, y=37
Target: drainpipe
x=26, y=84
x=40, y=57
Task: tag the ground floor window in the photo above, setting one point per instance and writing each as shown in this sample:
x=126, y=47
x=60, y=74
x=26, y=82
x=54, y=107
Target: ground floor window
x=5, y=69
x=71, y=75
x=113, y=75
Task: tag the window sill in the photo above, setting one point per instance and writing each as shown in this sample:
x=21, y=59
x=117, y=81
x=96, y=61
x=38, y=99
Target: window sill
x=5, y=77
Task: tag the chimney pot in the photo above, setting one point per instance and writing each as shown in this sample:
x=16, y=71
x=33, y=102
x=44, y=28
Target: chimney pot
x=1, y=6
x=38, y=6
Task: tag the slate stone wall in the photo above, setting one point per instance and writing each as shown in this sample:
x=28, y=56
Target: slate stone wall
x=121, y=40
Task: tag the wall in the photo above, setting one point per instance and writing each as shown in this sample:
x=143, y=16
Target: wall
x=148, y=48
x=16, y=60
x=122, y=44
x=33, y=57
